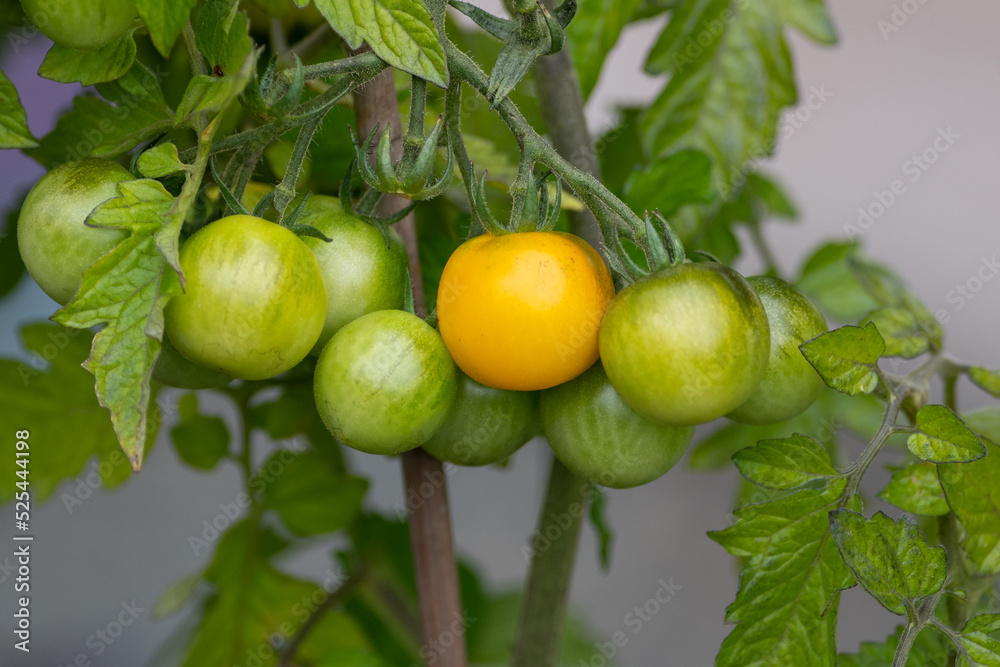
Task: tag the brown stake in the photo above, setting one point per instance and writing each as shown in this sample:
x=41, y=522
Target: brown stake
x=425, y=482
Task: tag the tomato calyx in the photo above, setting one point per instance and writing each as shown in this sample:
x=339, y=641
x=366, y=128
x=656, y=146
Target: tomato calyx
x=413, y=177
x=658, y=241
x=531, y=211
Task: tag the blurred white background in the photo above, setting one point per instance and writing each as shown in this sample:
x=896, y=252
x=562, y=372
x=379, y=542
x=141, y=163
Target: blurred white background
x=889, y=97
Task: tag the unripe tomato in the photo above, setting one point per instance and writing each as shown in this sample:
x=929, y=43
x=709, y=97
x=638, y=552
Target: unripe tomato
x=254, y=304
x=174, y=370
x=594, y=434
x=521, y=311
x=361, y=273
x=81, y=24
x=686, y=344
x=790, y=383
x=55, y=244
x=485, y=425
x=385, y=383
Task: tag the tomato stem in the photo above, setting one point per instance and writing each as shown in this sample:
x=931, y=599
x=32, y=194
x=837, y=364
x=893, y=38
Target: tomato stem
x=553, y=548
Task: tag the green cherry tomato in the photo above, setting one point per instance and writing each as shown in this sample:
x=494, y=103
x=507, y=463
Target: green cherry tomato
x=81, y=24
x=385, y=383
x=597, y=436
x=485, y=425
x=790, y=383
x=686, y=344
x=362, y=274
x=55, y=244
x=254, y=303
x=174, y=370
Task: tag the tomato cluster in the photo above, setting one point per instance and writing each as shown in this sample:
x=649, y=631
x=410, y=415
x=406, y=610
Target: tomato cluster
x=541, y=341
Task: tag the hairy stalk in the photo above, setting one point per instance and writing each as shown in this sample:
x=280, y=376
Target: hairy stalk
x=429, y=519
x=561, y=102
x=888, y=427
x=544, y=605
x=534, y=147
x=285, y=192
x=909, y=636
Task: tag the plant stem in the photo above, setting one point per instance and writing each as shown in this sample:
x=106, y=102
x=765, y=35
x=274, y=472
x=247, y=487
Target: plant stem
x=909, y=635
x=888, y=427
x=589, y=189
x=554, y=547
x=429, y=515
x=561, y=102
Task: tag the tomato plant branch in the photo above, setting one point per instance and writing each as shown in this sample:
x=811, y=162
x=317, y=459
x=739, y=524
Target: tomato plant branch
x=543, y=607
x=910, y=632
x=534, y=148
x=561, y=102
x=429, y=516
x=194, y=55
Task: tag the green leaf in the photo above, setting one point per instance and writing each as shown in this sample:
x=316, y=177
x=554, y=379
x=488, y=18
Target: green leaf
x=208, y=94
x=785, y=464
x=160, y=160
x=253, y=603
x=892, y=561
x=888, y=290
x=973, y=493
x=11, y=264
x=985, y=623
x=846, y=358
x=827, y=279
x=943, y=437
x=201, y=441
x=88, y=67
x=135, y=111
x=14, y=132
x=730, y=77
x=126, y=290
x=310, y=495
x=986, y=379
x=786, y=607
x=222, y=36
x=400, y=32
x=916, y=489
x=899, y=329
x=52, y=396
x=165, y=20
x=928, y=651
x=978, y=650
x=670, y=182
x=593, y=33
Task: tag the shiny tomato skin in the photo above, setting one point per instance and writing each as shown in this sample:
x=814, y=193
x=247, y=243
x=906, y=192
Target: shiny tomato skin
x=686, y=344
x=254, y=303
x=790, y=383
x=361, y=273
x=81, y=24
x=485, y=425
x=521, y=311
x=597, y=436
x=54, y=242
x=385, y=383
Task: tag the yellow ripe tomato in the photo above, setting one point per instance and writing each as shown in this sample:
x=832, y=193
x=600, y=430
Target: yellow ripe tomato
x=522, y=311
